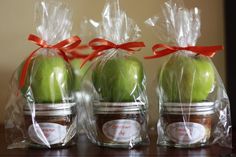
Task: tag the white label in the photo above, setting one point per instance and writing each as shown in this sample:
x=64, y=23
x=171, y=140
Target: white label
x=47, y=133
x=121, y=130
x=186, y=133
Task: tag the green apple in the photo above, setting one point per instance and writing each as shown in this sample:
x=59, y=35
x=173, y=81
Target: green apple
x=78, y=72
x=49, y=78
x=119, y=79
x=187, y=78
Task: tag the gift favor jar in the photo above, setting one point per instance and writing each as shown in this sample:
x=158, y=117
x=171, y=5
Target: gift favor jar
x=51, y=125
x=120, y=124
x=187, y=125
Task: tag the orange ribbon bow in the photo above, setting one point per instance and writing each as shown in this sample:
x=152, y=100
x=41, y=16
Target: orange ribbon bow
x=166, y=50
x=63, y=47
x=99, y=45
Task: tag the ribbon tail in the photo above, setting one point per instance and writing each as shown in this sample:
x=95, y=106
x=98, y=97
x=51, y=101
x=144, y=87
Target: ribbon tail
x=159, y=54
x=151, y=57
x=132, y=46
x=38, y=41
x=91, y=57
x=209, y=51
x=63, y=54
x=69, y=43
x=87, y=59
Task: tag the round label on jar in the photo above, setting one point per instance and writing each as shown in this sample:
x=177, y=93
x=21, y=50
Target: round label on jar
x=186, y=132
x=121, y=130
x=47, y=133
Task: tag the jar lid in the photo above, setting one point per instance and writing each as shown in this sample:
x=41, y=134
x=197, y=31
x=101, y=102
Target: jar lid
x=190, y=113
x=189, y=108
x=119, y=108
x=55, y=106
x=60, y=109
x=197, y=104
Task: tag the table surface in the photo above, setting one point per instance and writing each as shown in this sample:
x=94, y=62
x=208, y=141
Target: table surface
x=86, y=149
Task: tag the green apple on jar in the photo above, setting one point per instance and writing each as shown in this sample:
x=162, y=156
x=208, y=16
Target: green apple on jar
x=49, y=78
x=119, y=79
x=187, y=78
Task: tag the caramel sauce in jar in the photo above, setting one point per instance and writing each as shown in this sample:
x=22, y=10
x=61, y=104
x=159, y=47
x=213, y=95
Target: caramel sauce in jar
x=187, y=125
x=51, y=125
x=120, y=125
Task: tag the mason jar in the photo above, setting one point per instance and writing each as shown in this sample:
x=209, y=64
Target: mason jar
x=51, y=125
x=120, y=125
x=187, y=125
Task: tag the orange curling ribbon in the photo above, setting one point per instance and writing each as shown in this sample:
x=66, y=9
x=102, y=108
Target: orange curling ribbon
x=161, y=50
x=62, y=47
x=99, y=45
x=76, y=53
